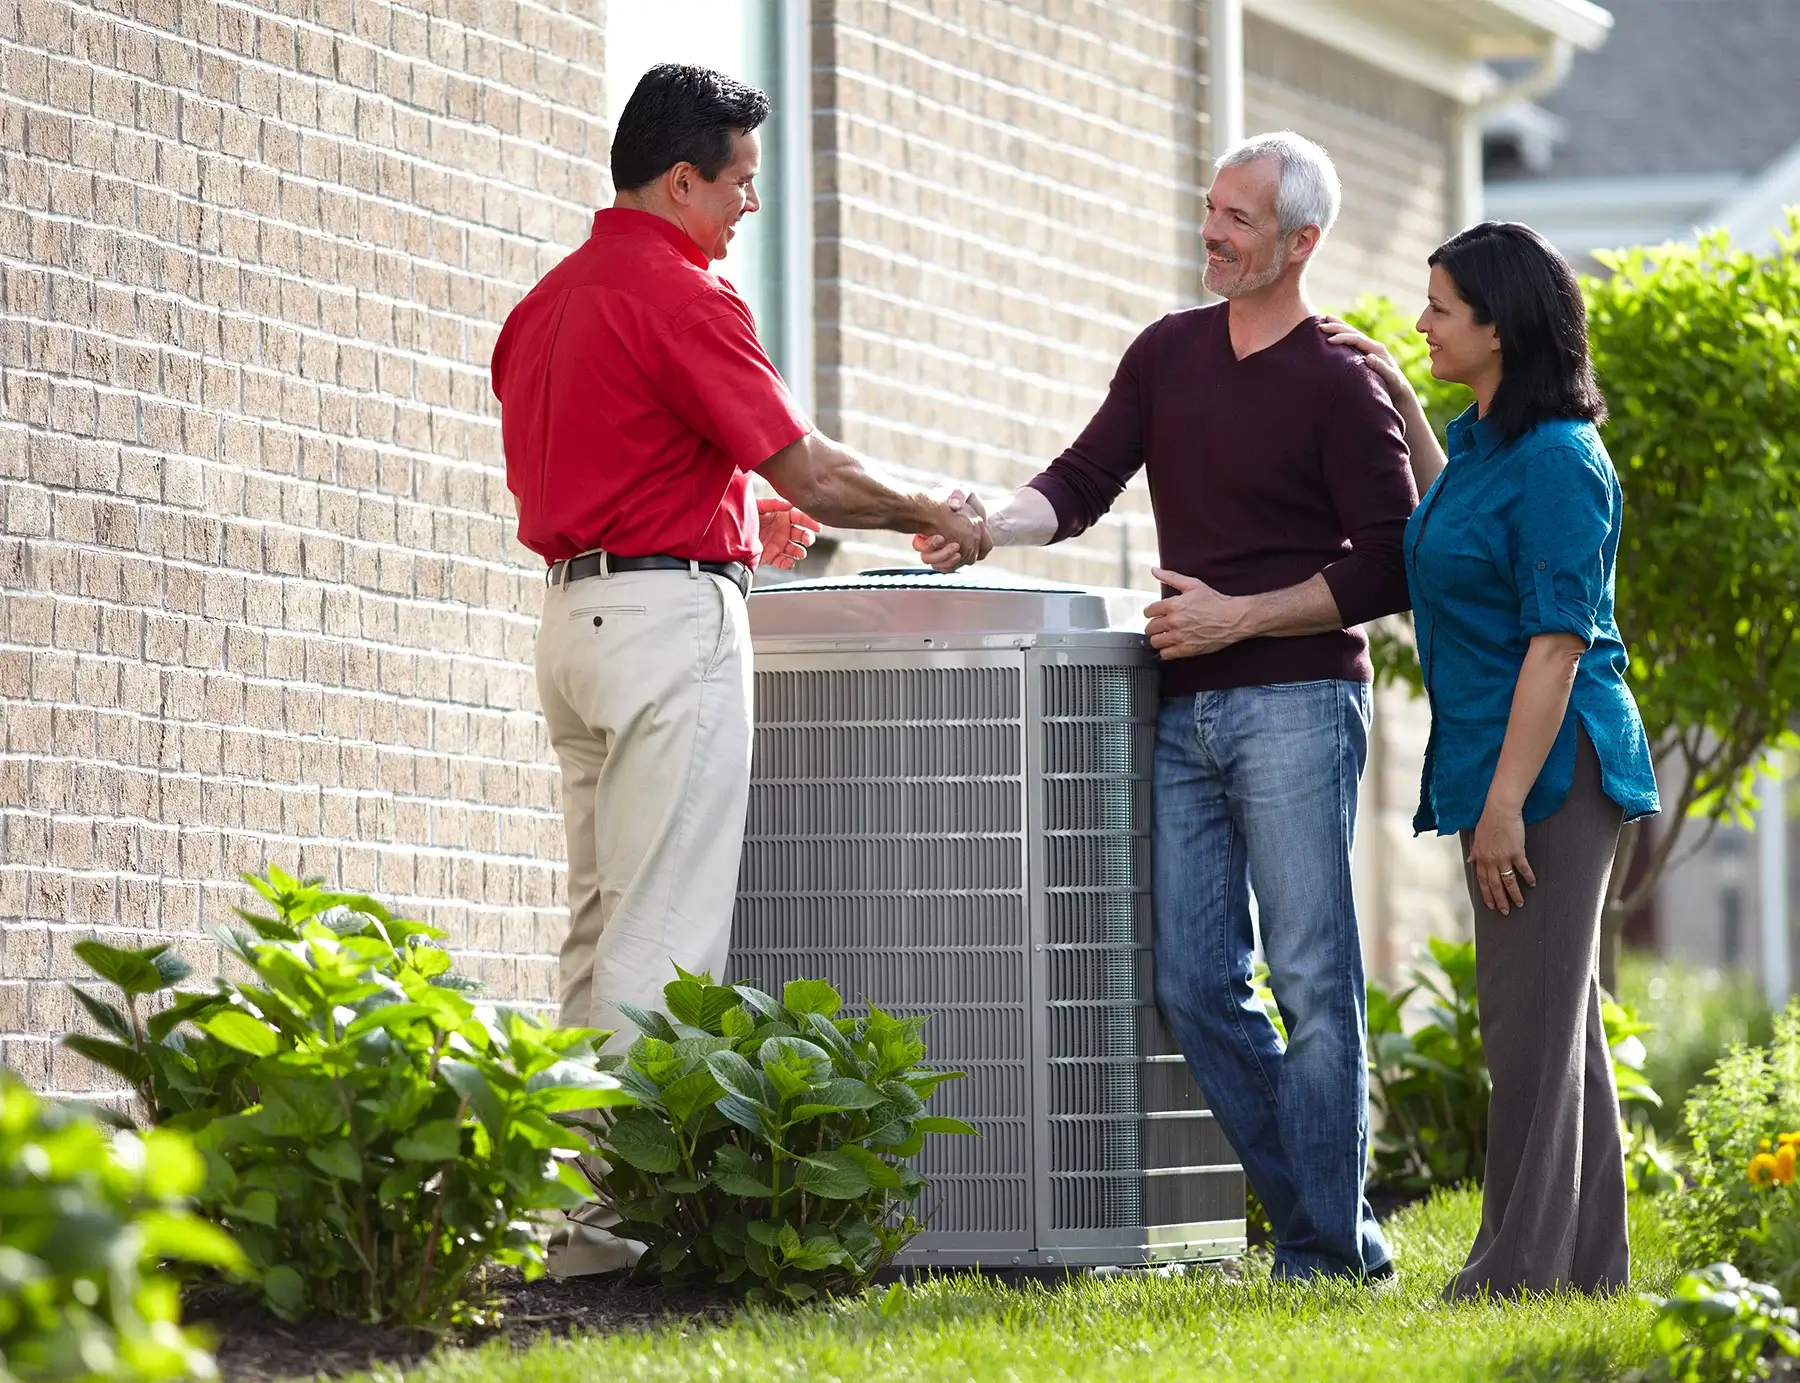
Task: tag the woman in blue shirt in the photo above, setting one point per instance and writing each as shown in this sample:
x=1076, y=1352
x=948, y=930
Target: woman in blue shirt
x=1537, y=755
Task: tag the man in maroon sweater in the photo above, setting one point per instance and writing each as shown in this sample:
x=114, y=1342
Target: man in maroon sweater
x=1278, y=473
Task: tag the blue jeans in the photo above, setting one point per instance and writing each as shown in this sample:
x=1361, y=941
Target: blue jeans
x=1259, y=784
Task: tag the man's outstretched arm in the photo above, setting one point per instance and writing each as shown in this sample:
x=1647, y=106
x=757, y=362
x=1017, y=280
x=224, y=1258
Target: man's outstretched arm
x=830, y=482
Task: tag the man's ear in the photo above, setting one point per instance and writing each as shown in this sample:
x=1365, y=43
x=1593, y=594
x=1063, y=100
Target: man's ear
x=680, y=181
x=1304, y=242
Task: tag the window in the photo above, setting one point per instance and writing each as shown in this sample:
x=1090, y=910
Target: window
x=762, y=42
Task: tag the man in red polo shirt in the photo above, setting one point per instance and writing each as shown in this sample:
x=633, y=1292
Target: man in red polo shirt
x=635, y=401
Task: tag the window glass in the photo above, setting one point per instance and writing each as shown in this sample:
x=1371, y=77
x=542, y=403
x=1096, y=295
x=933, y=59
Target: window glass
x=741, y=38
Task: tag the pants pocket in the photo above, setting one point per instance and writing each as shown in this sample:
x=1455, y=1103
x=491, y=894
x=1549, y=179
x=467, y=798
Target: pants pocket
x=727, y=630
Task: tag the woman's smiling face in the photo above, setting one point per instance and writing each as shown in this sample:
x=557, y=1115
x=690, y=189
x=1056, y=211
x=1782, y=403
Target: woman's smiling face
x=1463, y=350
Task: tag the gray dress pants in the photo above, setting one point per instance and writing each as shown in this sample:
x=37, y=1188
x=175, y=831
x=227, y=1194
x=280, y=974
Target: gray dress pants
x=1553, y=1210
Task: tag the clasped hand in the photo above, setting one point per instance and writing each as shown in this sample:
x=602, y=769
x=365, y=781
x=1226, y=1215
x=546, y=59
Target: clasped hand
x=964, y=537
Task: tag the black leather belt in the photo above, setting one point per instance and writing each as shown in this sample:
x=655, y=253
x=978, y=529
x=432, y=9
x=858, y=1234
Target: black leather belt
x=589, y=564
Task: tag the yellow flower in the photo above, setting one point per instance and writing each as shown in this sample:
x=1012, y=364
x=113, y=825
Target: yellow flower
x=1762, y=1169
x=1784, y=1165
x=1788, y=1138
x=1765, y=1145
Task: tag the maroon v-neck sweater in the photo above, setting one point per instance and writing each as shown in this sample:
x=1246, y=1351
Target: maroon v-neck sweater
x=1263, y=471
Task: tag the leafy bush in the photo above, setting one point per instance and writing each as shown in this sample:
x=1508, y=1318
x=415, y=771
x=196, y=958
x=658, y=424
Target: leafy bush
x=1741, y=1205
x=84, y=1221
x=1698, y=1014
x=1430, y=1086
x=1716, y=1327
x=374, y=1134
x=768, y=1146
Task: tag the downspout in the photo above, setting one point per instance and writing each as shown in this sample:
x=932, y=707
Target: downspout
x=1554, y=60
x=1224, y=76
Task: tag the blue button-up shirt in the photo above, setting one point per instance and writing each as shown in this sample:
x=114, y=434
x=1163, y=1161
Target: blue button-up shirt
x=1514, y=540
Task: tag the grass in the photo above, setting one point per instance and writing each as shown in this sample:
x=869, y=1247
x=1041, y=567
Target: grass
x=1140, y=1329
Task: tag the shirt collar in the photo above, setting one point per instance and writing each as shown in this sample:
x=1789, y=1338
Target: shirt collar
x=1468, y=433
x=629, y=219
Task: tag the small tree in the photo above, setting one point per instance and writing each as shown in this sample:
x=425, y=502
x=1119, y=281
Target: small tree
x=1698, y=353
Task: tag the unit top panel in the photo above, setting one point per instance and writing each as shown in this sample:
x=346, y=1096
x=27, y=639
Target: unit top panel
x=919, y=603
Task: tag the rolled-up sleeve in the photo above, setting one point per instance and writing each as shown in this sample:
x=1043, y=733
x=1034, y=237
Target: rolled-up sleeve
x=1369, y=474
x=1564, y=518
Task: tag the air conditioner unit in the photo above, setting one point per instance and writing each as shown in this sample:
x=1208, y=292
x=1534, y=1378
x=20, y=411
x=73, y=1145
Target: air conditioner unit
x=950, y=813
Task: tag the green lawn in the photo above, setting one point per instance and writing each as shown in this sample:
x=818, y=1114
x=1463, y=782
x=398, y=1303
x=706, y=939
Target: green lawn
x=1142, y=1329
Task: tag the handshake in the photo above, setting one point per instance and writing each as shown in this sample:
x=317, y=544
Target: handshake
x=961, y=534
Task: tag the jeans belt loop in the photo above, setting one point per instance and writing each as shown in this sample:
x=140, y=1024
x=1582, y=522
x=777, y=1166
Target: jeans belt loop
x=605, y=565
x=693, y=569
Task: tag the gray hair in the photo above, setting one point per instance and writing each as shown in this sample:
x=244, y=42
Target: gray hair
x=1309, y=193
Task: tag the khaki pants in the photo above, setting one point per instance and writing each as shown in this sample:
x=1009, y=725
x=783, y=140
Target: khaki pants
x=644, y=679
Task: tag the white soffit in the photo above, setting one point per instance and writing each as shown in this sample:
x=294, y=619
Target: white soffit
x=1440, y=44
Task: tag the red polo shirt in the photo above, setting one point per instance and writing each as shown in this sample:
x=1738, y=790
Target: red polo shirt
x=635, y=399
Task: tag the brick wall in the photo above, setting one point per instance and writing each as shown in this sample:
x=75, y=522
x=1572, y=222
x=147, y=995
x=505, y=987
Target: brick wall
x=261, y=598
x=1006, y=194
x=1391, y=141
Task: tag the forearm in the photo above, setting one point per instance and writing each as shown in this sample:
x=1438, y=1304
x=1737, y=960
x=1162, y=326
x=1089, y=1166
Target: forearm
x=832, y=483
x=1540, y=701
x=1424, y=452
x=1027, y=520
x=1309, y=608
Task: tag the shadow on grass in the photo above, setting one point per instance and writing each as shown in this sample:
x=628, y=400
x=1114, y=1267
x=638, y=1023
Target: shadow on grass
x=1566, y=1362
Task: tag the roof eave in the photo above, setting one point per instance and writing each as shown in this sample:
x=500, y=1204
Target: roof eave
x=1383, y=38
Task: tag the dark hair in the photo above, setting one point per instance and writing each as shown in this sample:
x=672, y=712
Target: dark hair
x=1513, y=279
x=682, y=114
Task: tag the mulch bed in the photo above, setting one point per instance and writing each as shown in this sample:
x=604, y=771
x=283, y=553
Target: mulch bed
x=257, y=1347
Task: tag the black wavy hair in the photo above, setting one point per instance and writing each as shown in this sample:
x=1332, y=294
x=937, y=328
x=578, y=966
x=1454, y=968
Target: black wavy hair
x=681, y=114
x=1512, y=278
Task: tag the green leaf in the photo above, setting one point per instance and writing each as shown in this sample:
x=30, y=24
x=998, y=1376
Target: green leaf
x=695, y=1091
x=764, y=1004
x=643, y=1140
x=285, y=1291
x=746, y=1114
x=172, y=1234
x=802, y=997
x=647, y=1021
x=736, y=1173
x=937, y=1123
x=255, y=1207
x=698, y=1003
x=133, y=971
x=115, y=1057
x=336, y=1159
x=110, y=1019
x=832, y=1176
x=735, y=1074
x=172, y=1167
x=766, y=1234
x=438, y=1140
x=471, y=1084
x=837, y=1096
x=186, y=1006
x=881, y=1174
x=239, y=1030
